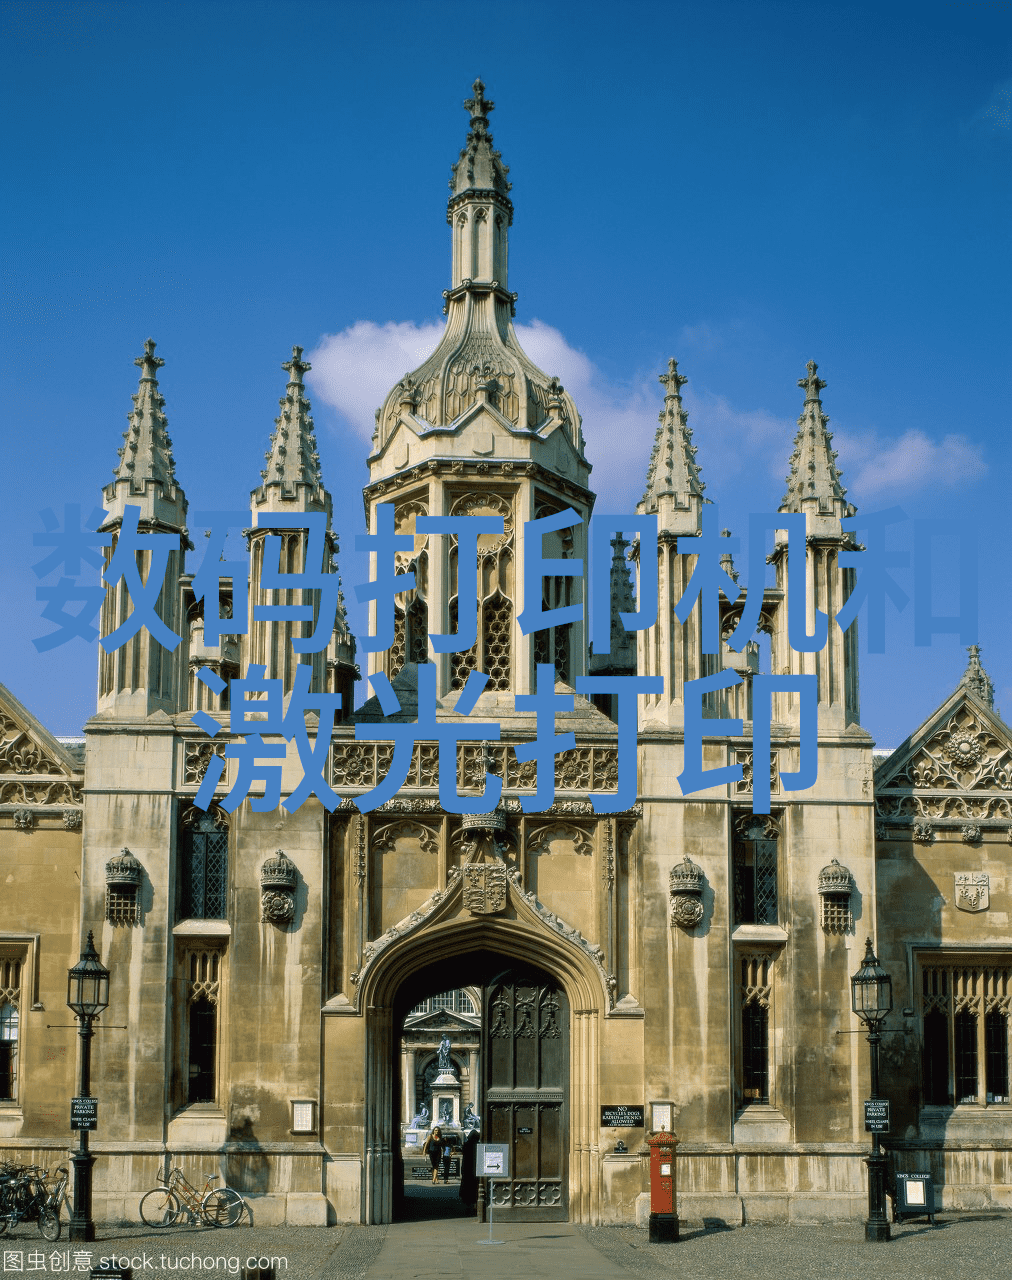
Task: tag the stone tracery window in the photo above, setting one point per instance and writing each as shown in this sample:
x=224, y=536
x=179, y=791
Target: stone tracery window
x=411, y=609
x=755, y=995
x=202, y=977
x=965, y=1012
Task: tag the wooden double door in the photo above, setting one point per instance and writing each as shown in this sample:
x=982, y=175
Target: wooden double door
x=526, y=1070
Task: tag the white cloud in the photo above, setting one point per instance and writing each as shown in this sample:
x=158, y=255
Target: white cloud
x=910, y=463
x=743, y=453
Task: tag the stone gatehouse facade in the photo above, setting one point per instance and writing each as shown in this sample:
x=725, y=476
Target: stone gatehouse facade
x=681, y=952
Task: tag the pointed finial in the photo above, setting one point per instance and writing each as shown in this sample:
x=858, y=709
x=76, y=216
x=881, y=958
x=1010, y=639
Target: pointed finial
x=479, y=106
x=673, y=380
x=149, y=362
x=976, y=678
x=813, y=384
x=296, y=367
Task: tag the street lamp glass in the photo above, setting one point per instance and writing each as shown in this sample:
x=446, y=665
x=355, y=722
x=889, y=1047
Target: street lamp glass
x=871, y=988
x=88, y=983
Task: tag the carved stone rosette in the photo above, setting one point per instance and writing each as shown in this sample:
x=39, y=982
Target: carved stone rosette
x=278, y=880
x=685, y=891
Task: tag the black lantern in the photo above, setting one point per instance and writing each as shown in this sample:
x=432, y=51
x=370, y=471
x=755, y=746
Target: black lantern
x=87, y=995
x=88, y=983
x=871, y=989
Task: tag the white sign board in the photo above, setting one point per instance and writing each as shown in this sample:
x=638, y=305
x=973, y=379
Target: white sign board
x=492, y=1160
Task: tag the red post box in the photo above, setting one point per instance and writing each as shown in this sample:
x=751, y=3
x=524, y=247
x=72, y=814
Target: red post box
x=663, y=1202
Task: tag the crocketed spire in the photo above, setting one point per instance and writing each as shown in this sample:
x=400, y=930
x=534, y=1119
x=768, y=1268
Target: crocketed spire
x=480, y=168
x=672, y=468
x=622, y=656
x=146, y=455
x=293, y=465
x=976, y=679
x=813, y=485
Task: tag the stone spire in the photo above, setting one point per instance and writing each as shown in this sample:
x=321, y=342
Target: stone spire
x=976, y=679
x=672, y=468
x=293, y=473
x=813, y=485
x=142, y=677
x=145, y=460
x=621, y=660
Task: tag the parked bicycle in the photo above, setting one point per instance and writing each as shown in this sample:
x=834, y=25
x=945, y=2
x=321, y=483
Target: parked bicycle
x=29, y=1193
x=177, y=1200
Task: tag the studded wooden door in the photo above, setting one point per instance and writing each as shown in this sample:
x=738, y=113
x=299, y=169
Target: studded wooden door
x=526, y=1095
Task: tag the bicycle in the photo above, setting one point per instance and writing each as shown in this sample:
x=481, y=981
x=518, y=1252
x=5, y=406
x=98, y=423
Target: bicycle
x=29, y=1193
x=165, y=1205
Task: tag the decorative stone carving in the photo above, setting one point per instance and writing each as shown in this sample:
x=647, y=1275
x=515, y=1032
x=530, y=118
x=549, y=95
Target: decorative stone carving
x=970, y=833
x=196, y=758
x=123, y=875
x=973, y=891
x=540, y=840
x=278, y=880
x=385, y=838
x=685, y=891
x=123, y=871
x=835, y=887
x=485, y=887
x=24, y=819
x=923, y=832
x=963, y=754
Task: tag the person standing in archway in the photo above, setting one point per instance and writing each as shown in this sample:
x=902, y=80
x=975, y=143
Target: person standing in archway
x=433, y=1148
x=469, y=1170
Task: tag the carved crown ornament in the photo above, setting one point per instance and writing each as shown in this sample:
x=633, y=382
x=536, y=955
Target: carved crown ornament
x=279, y=878
x=685, y=894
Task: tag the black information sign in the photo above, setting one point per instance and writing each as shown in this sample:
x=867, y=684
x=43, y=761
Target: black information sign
x=84, y=1113
x=621, y=1117
x=876, y=1115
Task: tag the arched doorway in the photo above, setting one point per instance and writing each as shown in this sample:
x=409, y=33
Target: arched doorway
x=480, y=952
x=524, y=1065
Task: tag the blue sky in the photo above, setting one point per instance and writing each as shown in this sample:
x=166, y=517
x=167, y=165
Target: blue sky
x=743, y=186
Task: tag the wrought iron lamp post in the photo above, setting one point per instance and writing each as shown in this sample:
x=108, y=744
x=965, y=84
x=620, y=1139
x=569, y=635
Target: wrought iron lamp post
x=87, y=995
x=872, y=999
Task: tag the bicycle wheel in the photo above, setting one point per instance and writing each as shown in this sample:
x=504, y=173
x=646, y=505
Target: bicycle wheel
x=222, y=1207
x=49, y=1224
x=159, y=1208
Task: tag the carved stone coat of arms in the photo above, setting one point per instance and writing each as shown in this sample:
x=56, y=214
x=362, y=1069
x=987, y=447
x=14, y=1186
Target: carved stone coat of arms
x=972, y=891
x=485, y=888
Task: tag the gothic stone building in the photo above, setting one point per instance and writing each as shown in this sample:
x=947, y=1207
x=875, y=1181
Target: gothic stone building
x=682, y=951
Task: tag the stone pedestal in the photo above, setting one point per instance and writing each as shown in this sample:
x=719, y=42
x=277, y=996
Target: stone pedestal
x=446, y=1099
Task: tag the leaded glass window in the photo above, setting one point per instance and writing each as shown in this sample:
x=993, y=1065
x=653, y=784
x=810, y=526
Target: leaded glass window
x=10, y=999
x=755, y=870
x=203, y=865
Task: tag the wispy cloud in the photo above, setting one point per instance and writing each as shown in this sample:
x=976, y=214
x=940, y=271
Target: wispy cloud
x=910, y=463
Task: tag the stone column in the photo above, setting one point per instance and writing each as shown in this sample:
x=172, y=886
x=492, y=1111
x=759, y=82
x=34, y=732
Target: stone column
x=408, y=1082
x=474, y=1081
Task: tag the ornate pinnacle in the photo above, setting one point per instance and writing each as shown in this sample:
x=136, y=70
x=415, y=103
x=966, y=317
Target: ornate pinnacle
x=149, y=362
x=813, y=384
x=296, y=367
x=976, y=678
x=478, y=106
x=673, y=380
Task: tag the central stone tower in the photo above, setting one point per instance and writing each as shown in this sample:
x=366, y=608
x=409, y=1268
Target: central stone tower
x=479, y=429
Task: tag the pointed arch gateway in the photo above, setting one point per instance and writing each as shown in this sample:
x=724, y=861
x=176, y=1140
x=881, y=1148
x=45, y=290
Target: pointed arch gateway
x=549, y=1088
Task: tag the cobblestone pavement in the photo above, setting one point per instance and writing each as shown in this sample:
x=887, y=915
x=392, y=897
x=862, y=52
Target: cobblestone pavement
x=970, y=1246
x=964, y=1246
